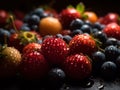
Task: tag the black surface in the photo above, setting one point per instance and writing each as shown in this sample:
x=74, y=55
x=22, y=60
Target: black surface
x=101, y=7
x=91, y=84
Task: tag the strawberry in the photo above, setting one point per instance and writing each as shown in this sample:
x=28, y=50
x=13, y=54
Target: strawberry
x=19, y=40
x=112, y=30
x=77, y=66
x=67, y=16
x=71, y=13
x=32, y=47
x=9, y=61
x=109, y=18
x=82, y=43
x=54, y=49
x=33, y=66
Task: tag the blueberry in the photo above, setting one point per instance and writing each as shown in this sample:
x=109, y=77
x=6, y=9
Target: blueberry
x=25, y=27
x=111, y=41
x=39, y=41
x=94, y=30
x=34, y=27
x=98, y=26
x=56, y=78
x=38, y=12
x=86, y=28
x=59, y=36
x=88, y=23
x=98, y=58
x=102, y=37
x=26, y=18
x=12, y=31
x=44, y=15
x=75, y=32
x=67, y=38
x=112, y=52
x=46, y=36
x=4, y=34
x=33, y=20
x=118, y=63
x=109, y=70
x=76, y=24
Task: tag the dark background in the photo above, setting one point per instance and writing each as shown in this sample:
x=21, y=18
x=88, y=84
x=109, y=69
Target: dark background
x=101, y=7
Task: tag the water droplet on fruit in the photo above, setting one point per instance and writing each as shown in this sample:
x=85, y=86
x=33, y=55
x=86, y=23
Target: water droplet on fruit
x=101, y=87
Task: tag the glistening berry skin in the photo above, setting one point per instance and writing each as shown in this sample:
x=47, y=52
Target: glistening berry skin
x=55, y=50
x=56, y=78
x=33, y=66
x=77, y=67
x=112, y=52
x=109, y=70
x=98, y=58
x=82, y=43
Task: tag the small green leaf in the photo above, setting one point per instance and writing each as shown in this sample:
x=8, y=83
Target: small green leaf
x=85, y=17
x=81, y=8
x=70, y=6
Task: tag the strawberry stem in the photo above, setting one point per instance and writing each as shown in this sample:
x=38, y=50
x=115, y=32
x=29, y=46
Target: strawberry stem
x=12, y=20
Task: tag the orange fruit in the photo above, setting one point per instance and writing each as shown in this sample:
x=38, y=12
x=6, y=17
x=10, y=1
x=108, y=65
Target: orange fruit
x=49, y=26
x=91, y=16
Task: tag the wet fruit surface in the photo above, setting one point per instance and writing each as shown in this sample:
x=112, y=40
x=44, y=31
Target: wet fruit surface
x=68, y=49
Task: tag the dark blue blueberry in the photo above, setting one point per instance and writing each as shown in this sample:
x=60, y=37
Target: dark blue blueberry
x=67, y=38
x=112, y=52
x=118, y=43
x=39, y=41
x=46, y=36
x=26, y=18
x=12, y=31
x=86, y=28
x=38, y=12
x=109, y=70
x=56, y=78
x=75, y=32
x=118, y=64
x=102, y=37
x=94, y=30
x=98, y=26
x=34, y=27
x=59, y=36
x=98, y=58
x=76, y=24
x=4, y=34
x=33, y=20
x=111, y=41
x=88, y=23
x=25, y=27
x=45, y=15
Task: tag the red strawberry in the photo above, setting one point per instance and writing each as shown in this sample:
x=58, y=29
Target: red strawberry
x=82, y=43
x=32, y=47
x=54, y=49
x=68, y=15
x=19, y=40
x=112, y=30
x=77, y=66
x=109, y=18
x=33, y=65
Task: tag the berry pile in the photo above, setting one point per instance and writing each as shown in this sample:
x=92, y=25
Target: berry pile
x=73, y=44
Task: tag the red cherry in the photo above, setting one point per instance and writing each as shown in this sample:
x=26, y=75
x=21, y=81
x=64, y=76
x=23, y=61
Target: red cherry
x=3, y=17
